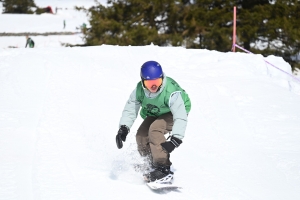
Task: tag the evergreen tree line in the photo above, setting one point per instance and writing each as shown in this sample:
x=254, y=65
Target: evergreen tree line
x=18, y=6
x=22, y=7
x=263, y=26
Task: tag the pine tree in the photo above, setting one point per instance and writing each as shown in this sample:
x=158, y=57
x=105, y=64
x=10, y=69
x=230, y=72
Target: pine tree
x=280, y=30
x=208, y=24
x=275, y=25
x=18, y=6
x=136, y=22
x=205, y=24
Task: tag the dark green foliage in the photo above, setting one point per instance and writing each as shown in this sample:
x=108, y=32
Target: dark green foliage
x=281, y=31
x=137, y=22
x=205, y=24
x=18, y=6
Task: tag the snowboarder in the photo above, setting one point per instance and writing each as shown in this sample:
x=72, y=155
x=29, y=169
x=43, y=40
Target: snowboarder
x=164, y=108
x=29, y=42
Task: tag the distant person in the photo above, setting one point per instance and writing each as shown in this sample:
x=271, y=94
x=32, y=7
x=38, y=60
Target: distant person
x=164, y=108
x=64, y=24
x=29, y=42
x=83, y=28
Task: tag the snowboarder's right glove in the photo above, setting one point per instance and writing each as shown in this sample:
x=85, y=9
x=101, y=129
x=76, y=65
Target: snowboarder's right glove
x=122, y=133
x=169, y=146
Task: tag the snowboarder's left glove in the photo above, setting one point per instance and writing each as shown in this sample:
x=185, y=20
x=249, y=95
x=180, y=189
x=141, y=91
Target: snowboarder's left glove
x=169, y=146
x=122, y=133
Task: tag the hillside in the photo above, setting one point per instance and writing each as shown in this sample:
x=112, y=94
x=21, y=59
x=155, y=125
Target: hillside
x=60, y=109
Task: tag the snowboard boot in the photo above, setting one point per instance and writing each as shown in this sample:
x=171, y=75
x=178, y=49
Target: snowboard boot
x=161, y=174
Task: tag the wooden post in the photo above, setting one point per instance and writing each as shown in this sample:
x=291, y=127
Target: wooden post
x=234, y=29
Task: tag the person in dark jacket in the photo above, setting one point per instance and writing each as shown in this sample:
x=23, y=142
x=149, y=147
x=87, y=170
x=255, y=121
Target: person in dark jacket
x=29, y=42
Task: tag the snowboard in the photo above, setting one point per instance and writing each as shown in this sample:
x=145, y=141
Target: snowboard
x=165, y=183
x=160, y=186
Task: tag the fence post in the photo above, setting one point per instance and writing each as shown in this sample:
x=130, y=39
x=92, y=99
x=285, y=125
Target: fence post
x=234, y=29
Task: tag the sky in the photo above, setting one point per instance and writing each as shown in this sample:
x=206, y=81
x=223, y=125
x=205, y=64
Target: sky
x=60, y=110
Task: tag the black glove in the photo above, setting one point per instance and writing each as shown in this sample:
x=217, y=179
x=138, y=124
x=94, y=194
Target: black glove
x=169, y=146
x=122, y=133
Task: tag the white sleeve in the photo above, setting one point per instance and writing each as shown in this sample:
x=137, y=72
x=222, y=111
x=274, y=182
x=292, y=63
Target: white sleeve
x=178, y=110
x=130, y=110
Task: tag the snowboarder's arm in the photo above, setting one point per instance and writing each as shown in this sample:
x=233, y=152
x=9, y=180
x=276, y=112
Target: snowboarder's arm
x=178, y=110
x=130, y=111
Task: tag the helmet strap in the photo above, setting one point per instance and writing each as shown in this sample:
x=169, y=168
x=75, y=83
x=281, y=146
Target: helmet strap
x=143, y=83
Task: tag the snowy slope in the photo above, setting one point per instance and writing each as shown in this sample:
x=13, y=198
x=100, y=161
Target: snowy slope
x=60, y=108
x=46, y=23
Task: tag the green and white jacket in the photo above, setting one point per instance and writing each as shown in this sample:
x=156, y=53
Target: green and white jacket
x=170, y=98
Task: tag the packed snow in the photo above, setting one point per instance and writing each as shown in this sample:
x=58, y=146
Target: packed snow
x=67, y=19
x=60, y=110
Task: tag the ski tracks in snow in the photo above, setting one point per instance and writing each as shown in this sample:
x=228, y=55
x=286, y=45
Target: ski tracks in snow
x=61, y=118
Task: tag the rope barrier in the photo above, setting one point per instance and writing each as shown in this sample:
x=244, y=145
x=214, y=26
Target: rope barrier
x=269, y=63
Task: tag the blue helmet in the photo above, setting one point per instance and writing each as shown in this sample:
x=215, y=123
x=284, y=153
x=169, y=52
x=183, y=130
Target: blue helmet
x=151, y=70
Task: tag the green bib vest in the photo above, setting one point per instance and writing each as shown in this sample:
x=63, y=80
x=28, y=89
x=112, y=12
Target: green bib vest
x=160, y=104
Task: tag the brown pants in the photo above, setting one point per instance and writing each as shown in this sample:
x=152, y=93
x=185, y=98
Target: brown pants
x=151, y=134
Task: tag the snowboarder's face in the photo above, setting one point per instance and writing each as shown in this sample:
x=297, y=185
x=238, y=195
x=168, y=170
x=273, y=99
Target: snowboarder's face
x=153, y=85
